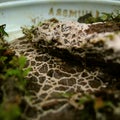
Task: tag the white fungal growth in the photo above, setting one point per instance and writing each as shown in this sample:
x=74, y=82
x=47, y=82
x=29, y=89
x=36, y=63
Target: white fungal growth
x=67, y=34
x=64, y=32
x=111, y=40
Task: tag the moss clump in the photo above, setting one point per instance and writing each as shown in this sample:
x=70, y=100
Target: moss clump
x=103, y=17
x=12, y=80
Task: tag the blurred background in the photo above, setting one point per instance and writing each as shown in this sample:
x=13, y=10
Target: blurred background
x=38, y=0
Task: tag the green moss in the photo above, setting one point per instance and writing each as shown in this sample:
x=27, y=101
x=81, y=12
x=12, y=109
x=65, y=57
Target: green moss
x=103, y=17
x=12, y=81
x=29, y=33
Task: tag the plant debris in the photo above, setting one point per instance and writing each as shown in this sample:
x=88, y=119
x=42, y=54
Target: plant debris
x=99, y=49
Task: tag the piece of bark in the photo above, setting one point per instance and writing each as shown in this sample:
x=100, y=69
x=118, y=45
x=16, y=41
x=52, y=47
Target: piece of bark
x=99, y=50
x=87, y=44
